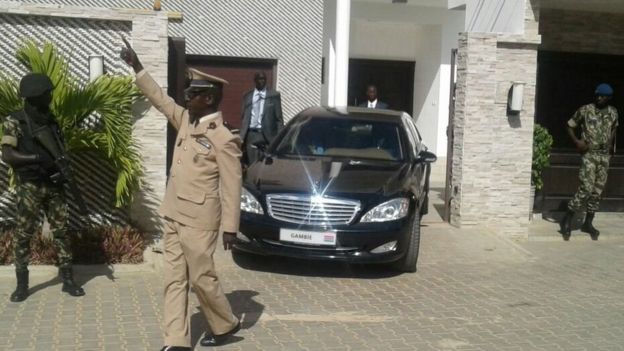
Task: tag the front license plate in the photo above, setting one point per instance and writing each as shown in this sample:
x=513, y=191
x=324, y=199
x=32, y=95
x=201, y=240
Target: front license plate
x=307, y=237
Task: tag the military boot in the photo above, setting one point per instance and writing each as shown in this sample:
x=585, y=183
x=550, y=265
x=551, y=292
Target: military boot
x=21, y=292
x=566, y=225
x=588, y=227
x=69, y=286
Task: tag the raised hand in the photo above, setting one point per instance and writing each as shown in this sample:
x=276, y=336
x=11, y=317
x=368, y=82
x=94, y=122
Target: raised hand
x=130, y=57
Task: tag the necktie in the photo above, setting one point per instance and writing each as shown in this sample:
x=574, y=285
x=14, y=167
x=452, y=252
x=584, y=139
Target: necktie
x=256, y=110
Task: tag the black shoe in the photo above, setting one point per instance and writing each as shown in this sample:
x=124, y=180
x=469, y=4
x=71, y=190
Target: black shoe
x=69, y=286
x=566, y=225
x=588, y=227
x=216, y=340
x=21, y=291
x=175, y=348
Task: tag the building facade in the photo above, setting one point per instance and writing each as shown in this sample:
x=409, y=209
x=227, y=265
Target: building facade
x=451, y=64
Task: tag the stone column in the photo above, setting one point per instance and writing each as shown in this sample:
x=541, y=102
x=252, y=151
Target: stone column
x=149, y=39
x=492, y=146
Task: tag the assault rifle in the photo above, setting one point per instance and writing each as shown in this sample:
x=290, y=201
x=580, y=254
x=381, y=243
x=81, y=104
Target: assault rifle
x=51, y=142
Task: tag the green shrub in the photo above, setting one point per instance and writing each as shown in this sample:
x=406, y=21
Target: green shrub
x=97, y=245
x=542, y=145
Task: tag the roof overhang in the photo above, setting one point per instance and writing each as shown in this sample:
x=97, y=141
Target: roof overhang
x=456, y=4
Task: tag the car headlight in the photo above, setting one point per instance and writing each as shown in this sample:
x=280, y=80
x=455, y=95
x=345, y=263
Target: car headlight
x=388, y=211
x=249, y=203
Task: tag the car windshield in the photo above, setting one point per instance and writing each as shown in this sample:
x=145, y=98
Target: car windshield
x=352, y=138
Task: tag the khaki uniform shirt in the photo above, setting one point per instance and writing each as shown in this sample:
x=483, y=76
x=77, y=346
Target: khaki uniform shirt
x=205, y=179
x=597, y=125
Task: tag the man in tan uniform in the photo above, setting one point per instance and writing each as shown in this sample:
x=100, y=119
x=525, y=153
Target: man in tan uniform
x=203, y=195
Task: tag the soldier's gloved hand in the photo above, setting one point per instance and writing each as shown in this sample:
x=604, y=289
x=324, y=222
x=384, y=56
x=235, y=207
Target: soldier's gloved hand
x=228, y=240
x=581, y=146
x=57, y=178
x=130, y=57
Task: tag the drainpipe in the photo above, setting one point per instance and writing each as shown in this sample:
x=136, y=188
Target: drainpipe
x=343, y=19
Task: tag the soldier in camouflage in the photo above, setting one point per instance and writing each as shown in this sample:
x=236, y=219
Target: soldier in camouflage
x=598, y=122
x=37, y=189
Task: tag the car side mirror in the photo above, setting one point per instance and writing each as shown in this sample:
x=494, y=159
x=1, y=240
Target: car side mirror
x=426, y=157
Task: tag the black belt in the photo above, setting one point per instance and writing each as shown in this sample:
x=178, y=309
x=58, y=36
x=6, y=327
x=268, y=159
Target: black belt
x=257, y=130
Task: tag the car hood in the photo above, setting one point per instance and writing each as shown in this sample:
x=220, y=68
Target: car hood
x=324, y=175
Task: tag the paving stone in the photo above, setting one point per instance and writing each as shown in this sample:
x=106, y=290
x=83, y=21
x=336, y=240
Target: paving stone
x=473, y=291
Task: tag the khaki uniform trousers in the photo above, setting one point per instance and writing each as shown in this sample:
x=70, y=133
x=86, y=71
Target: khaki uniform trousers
x=188, y=257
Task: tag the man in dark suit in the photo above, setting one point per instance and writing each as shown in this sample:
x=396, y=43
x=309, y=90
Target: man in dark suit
x=262, y=117
x=373, y=102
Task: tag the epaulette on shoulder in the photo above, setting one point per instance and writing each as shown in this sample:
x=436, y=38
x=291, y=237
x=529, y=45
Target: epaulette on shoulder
x=231, y=128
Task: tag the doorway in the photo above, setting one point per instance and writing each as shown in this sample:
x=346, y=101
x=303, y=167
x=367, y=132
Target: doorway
x=565, y=81
x=239, y=72
x=448, y=186
x=394, y=81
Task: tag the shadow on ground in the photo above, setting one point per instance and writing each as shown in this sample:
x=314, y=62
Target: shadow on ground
x=82, y=275
x=244, y=308
x=436, y=202
x=557, y=216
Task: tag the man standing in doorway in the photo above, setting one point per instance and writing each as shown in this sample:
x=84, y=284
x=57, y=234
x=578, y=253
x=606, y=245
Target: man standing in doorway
x=202, y=197
x=598, y=122
x=262, y=117
x=373, y=102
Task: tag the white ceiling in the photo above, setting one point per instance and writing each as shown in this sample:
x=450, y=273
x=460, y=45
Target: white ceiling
x=425, y=3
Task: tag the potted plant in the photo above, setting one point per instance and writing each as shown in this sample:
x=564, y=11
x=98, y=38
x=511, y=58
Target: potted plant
x=542, y=145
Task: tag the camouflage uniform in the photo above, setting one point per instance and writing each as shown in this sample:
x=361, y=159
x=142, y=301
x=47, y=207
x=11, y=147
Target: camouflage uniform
x=597, y=126
x=34, y=196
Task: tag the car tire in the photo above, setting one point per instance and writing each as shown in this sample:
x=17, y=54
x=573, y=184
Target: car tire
x=407, y=263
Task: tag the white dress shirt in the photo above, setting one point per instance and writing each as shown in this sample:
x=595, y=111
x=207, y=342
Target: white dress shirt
x=257, y=106
x=372, y=104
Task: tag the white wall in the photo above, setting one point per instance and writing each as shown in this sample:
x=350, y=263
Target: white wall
x=422, y=34
x=453, y=24
x=427, y=86
x=383, y=40
x=495, y=16
x=329, y=39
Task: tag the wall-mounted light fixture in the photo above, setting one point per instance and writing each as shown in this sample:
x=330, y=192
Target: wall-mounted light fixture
x=516, y=96
x=96, y=66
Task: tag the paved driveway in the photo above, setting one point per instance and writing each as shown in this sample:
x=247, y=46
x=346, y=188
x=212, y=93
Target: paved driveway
x=473, y=291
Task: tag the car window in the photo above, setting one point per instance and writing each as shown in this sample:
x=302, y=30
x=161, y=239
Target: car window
x=415, y=135
x=412, y=133
x=319, y=136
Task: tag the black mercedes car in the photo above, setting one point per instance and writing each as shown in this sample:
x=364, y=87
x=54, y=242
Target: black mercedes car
x=346, y=184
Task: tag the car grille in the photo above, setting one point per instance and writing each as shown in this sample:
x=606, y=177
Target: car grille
x=316, y=210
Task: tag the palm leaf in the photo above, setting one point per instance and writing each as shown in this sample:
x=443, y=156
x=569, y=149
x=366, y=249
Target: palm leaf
x=9, y=98
x=95, y=117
